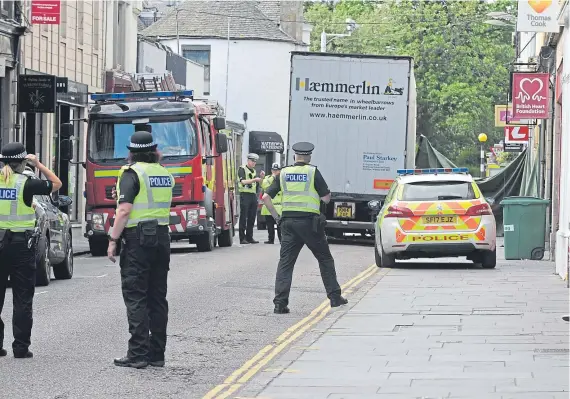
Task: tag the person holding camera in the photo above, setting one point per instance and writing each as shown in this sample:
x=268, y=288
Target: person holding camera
x=18, y=240
x=247, y=187
x=144, y=193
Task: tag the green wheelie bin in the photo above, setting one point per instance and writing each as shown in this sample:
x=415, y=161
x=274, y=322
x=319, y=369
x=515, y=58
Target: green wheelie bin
x=524, y=222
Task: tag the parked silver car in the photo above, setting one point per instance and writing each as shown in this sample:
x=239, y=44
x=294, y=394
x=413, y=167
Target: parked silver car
x=55, y=246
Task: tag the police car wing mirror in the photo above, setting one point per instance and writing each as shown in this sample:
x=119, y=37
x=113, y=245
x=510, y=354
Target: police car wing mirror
x=490, y=200
x=221, y=143
x=64, y=200
x=219, y=123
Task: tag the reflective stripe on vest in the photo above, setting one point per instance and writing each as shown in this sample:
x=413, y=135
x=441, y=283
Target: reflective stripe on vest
x=298, y=187
x=267, y=182
x=248, y=175
x=151, y=203
x=15, y=215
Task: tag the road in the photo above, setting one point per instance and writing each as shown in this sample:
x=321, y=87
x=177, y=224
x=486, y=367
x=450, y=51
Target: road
x=221, y=314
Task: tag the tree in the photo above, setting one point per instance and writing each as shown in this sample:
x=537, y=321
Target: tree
x=461, y=64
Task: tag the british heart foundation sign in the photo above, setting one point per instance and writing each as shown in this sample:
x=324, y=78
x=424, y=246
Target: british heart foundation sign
x=531, y=95
x=46, y=12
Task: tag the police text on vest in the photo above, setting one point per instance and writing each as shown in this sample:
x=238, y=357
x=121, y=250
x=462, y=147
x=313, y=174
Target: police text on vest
x=160, y=181
x=8, y=194
x=296, y=177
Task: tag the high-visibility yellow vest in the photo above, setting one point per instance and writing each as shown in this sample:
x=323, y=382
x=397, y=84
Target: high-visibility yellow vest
x=298, y=188
x=248, y=175
x=265, y=184
x=15, y=215
x=155, y=196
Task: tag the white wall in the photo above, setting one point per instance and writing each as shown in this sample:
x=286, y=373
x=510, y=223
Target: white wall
x=195, y=78
x=151, y=58
x=124, y=36
x=258, y=81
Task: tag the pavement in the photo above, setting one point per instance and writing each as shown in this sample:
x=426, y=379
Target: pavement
x=434, y=330
x=221, y=314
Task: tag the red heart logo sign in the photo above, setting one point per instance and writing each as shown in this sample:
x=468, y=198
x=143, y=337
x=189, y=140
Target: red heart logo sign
x=530, y=89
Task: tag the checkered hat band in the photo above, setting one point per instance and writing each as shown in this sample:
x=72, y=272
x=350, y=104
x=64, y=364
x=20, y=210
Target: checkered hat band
x=21, y=155
x=136, y=145
x=304, y=152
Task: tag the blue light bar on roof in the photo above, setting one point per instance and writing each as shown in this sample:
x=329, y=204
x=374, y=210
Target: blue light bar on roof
x=142, y=95
x=431, y=171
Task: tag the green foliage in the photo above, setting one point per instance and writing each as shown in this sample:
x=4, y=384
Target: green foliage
x=461, y=64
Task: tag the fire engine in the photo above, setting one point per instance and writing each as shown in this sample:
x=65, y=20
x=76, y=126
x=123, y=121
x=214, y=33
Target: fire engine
x=195, y=148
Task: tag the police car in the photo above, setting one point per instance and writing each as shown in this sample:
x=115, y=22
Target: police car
x=433, y=213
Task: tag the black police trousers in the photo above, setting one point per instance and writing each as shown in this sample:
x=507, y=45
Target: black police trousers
x=247, y=214
x=270, y=222
x=295, y=233
x=18, y=262
x=144, y=272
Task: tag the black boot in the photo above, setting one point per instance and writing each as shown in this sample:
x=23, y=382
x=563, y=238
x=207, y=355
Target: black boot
x=23, y=355
x=270, y=242
x=3, y=352
x=130, y=362
x=280, y=309
x=337, y=301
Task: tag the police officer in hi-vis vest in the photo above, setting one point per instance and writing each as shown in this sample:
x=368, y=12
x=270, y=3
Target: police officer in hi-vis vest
x=247, y=186
x=18, y=240
x=303, y=187
x=269, y=220
x=144, y=192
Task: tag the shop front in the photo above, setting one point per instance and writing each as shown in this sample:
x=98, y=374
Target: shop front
x=269, y=146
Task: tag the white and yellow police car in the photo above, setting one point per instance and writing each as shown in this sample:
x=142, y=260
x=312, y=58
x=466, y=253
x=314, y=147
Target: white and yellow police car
x=433, y=213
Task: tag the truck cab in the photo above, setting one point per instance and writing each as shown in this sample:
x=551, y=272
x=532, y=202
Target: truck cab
x=193, y=149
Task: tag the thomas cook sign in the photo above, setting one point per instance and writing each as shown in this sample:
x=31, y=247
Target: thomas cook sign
x=538, y=16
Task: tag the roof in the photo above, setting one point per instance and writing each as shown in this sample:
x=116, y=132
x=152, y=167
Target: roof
x=209, y=19
x=439, y=177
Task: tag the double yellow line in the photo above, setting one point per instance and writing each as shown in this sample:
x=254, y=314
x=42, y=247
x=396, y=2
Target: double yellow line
x=253, y=365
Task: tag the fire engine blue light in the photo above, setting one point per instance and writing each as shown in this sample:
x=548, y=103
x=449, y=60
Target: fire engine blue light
x=432, y=171
x=141, y=95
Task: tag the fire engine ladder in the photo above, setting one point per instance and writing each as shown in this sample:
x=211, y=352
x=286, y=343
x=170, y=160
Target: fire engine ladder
x=155, y=82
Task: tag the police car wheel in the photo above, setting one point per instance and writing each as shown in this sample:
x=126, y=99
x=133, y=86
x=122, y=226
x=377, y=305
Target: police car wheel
x=43, y=269
x=386, y=260
x=489, y=259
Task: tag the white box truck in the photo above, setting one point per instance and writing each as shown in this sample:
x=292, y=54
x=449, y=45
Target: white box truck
x=360, y=113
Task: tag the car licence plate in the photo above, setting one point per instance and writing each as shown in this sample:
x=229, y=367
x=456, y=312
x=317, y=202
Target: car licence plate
x=439, y=219
x=344, y=212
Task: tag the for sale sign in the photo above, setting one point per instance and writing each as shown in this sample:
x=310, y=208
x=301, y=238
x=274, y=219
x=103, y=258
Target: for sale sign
x=530, y=95
x=46, y=12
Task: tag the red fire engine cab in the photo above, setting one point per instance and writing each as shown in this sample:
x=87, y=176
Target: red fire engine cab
x=195, y=149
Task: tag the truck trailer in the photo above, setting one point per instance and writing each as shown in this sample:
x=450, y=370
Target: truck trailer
x=360, y=113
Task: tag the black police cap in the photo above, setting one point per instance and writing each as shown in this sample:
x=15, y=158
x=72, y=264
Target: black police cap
x=303, y=148
x=13, y=152
x=142, y=141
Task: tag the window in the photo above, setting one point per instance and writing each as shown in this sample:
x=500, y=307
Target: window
x=80, y=14
x=206, y=137
x=438, y=191
x=201, y=55
x=109, y=140
x=63, y=19
x=96, y=25
x=8, y=8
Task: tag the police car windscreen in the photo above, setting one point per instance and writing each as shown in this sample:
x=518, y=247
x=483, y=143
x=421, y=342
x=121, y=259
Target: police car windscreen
x=108, y=141
x=438, y=191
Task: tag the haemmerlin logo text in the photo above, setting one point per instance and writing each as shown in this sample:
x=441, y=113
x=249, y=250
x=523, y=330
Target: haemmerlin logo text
x=330, y=87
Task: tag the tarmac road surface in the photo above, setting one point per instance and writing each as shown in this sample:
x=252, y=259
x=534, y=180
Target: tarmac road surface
x=221, y=314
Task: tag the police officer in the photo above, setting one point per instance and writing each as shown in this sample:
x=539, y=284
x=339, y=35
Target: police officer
x=269, y=220
x=144, y=191
x=303, y=187
x=247, y=186
x=18, y=240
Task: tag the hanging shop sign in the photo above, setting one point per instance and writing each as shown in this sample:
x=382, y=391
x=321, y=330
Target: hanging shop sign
x=531, y=95
x=36, y=93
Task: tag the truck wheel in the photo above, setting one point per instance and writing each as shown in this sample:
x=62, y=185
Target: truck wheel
x=98, y=247
x=205, y=243
x=489, y=259
x=226, y=237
